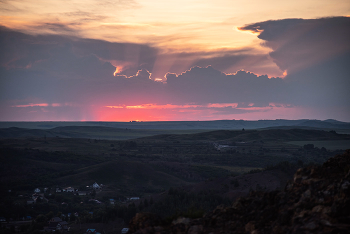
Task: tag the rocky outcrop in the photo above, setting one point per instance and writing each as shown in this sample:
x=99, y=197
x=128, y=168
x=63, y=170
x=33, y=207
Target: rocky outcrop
x=316, y=201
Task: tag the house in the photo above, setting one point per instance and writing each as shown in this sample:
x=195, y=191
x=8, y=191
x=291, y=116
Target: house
x=55, y=219
x=69, y=189
x=35, y=196
x=225, y=147
x=37, y=190
x=92, y=231
x=57, y=224
x=82, y=193
x=124, y=230
x=95, y=201
x=96, y=186
x=111, y=201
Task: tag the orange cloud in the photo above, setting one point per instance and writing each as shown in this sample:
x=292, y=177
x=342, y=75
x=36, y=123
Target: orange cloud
x=154, y=106
x=33, y=105
x=254, y=31
x=44, y=105
x=118, y=69
x=249, y=106
x=222, y=105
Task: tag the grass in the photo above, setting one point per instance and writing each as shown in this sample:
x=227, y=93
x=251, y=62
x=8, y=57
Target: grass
x=210, y=171
x=330, y=145
x=152, y=164
x=238, y=170
x=136, y=176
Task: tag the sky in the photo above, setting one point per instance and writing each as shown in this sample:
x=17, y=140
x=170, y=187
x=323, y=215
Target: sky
x=148, y=60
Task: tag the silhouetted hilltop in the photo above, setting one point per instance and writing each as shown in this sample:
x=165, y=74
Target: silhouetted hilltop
x=316, y=201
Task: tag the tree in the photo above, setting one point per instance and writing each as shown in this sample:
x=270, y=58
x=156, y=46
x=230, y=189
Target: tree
x=49, y=215
x=72, y=217
x=309, y=146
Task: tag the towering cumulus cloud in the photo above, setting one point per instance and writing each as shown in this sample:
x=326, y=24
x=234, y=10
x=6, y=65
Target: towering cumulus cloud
x=298, y=44
x=315, y=54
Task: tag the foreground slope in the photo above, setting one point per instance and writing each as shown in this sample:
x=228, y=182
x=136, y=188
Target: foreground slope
x=317, y=201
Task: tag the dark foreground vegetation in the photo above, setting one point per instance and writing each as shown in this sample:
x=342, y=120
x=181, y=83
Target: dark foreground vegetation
x=170, y=176
x=316, y=201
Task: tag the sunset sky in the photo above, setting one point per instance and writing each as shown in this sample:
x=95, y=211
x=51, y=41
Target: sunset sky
x=154, y=60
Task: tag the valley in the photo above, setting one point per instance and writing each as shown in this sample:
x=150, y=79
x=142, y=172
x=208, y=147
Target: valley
x=169, y=174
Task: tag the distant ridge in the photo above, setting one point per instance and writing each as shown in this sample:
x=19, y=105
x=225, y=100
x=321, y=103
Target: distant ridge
x=185, y=125
x=285, y=133
x=256, y=135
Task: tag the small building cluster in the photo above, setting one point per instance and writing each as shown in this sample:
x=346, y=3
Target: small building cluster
x=78, y=192
x=133, y=198
x=224, y=147
x=67, y=190
x=57, y=224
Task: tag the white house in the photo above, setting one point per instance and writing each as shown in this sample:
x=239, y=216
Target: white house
x=37, y=190
x=96, y=186
x=82, y=193
x=69, y=189
x=124, y=230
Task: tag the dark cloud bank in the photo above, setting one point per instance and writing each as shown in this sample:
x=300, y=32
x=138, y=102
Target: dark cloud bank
x=57, y=69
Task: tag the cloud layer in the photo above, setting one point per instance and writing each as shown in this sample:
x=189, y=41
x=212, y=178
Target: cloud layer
x=52, y=77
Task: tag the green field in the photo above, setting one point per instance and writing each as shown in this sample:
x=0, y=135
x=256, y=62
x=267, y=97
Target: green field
x=331, y=145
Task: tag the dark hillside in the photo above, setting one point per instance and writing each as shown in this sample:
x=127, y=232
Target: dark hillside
x=254, y=135
x=130, y=178
x=316, y=201
x=92, y=132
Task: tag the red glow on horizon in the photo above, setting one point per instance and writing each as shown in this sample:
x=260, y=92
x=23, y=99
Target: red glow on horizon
x=193, y=112
x=161, y=112
x=166, y=112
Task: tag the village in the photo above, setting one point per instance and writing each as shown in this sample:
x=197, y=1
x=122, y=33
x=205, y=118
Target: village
x=72, y=205
x=45, y=193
